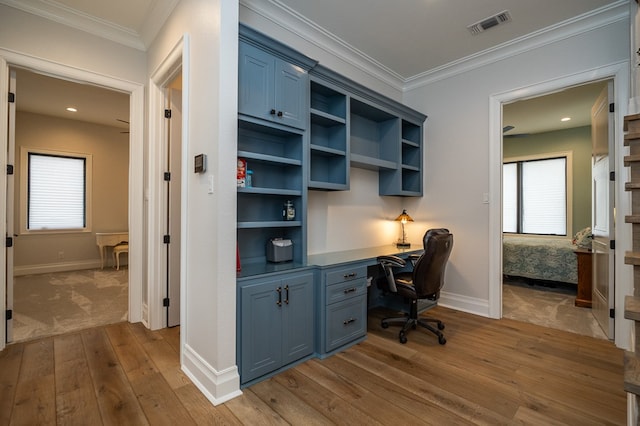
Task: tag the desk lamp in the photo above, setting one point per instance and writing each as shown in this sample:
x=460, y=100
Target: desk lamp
x=403, y=241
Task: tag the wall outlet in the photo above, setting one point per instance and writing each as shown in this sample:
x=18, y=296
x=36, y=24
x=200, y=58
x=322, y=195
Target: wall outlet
x=60, y=255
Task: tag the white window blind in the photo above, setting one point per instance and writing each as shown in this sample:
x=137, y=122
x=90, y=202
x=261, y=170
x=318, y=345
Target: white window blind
x=56, y=192
x=535, y=196
x=544, y=197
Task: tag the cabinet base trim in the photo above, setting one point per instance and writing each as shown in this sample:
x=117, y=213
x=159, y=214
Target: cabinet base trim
x=342, y=348
x=278, y=371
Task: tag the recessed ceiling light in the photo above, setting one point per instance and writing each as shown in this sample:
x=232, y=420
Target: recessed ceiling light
x=72, y=109
x=566, y=119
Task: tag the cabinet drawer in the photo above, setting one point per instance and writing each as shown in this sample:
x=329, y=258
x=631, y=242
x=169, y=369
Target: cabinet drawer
x=346, y=321
x=346, y=290
x=346, y=274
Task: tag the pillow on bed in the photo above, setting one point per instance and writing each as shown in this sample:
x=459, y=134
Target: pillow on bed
x=583, y=238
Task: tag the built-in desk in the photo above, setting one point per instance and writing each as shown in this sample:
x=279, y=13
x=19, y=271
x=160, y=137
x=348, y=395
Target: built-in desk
x=368, y=255
x=289, y=313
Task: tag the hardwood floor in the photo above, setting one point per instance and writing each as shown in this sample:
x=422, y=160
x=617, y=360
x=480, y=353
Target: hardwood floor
x=489, y=372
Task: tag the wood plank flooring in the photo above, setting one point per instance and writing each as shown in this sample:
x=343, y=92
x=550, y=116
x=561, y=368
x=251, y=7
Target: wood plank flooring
x=490, y=372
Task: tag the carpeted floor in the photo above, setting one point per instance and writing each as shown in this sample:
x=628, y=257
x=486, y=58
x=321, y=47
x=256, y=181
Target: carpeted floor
x=55, y=303
x=551, y=307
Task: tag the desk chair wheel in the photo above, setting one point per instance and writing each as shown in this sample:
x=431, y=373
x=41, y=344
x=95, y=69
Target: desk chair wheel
x=384, y=324
x=440, y=326
x=402, y=337
x=441, y=340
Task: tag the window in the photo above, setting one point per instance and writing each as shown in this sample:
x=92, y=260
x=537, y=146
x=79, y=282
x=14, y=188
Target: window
x=56, y=191
x=535, y=196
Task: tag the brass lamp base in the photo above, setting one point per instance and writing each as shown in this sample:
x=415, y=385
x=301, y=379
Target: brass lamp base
x=403, y=245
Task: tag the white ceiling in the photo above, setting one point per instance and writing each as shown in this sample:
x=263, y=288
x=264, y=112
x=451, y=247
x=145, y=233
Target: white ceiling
x=411, y=37
x=46, y=95
x=404, y=39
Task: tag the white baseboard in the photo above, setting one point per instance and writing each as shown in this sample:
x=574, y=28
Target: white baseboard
x=217, y=386
x=56, y=267
x=467, y=304
x=145, y=315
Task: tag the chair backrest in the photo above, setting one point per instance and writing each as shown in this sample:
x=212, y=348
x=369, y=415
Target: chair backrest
x=428, y=272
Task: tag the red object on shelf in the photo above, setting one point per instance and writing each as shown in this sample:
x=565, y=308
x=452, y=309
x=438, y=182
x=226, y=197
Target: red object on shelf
x=242, y=172
x=238, y=267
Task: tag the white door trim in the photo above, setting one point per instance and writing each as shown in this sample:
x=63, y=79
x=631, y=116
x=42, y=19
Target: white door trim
x=175, y=62
x=136, y=162
x=619, y=72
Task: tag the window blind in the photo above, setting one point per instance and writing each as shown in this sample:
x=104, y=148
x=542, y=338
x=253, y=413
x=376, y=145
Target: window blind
x=56, y=192
x=534, y=197
x=544, y=197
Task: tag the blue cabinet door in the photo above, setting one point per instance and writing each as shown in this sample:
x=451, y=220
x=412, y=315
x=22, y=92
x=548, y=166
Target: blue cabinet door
x=291, y=94
x=298, y=317
x=261, y=329
x=271, y=88
x=256, y=82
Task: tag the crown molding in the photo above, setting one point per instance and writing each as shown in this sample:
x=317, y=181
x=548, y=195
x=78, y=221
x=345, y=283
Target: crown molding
x=580, y=24
x=286, y=18
x=53, y=11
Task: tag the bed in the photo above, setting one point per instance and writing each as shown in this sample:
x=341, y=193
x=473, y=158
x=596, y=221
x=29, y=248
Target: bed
x=549, y=259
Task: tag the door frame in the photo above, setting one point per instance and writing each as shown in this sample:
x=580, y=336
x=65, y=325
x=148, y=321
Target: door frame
x=136, y=164
x=619, y=73
x=174, y=63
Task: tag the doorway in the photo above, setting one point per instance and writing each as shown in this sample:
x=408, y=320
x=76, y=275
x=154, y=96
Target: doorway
x=135, y=197
x=59, y=284
x=619, y=74
x=544, y=135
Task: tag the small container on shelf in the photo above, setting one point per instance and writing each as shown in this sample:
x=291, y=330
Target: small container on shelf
x=248, y=181
x=288, y=211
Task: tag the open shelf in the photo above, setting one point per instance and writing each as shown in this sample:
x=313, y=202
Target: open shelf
x=374, y=137
x=327, y=101
x=328, y=153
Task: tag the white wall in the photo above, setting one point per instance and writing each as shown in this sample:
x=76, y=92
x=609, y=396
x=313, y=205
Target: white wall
x=208, y=245
x=458, y=140
x=35, y=253
x=41, y=38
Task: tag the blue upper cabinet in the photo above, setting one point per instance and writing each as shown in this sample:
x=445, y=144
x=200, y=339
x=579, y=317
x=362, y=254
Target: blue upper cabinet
x=256, y=89
x=273, y=80
x=291, y=95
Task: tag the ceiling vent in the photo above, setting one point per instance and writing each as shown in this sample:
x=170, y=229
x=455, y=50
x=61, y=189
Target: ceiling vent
x=490, y=22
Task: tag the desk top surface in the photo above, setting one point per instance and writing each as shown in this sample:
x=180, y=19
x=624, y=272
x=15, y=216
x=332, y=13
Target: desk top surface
x=363, y=254
x=329, y=259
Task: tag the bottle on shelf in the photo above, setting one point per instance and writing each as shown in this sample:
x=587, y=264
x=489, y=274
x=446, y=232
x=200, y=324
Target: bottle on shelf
x=289, y=212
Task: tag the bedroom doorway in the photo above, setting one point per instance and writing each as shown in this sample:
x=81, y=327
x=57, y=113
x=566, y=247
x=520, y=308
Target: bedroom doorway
x=54, y=282
x=537, y=285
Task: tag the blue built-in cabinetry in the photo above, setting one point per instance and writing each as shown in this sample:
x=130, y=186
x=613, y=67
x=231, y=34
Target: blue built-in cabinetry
x=329, y=138
x=342, y=304
x=271, y=88
x=276, y=322
x=273, y=109
x=377, y=134
x=302, y=126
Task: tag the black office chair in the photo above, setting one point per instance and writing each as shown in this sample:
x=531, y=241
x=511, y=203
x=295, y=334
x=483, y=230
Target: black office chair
x=422, y=285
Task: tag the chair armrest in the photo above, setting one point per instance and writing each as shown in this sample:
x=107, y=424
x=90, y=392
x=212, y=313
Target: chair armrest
x=393, y=261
